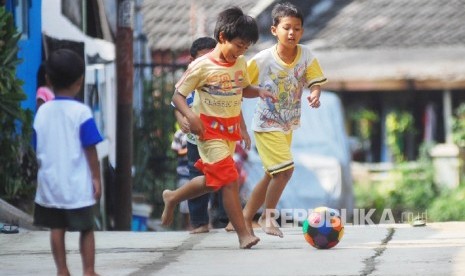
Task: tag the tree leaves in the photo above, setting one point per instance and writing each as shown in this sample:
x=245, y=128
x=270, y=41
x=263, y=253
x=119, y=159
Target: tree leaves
x=15, y=123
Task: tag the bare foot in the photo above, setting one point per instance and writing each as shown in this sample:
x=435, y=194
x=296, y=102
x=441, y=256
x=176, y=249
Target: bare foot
x=248, y=242
x=200, y=229
x=229, y=228
x=168, y=211
x=270, y=227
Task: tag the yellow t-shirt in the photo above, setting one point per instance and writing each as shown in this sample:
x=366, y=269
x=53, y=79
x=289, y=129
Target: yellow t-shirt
x=218, y=98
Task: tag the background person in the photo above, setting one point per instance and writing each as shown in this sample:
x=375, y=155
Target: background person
x=68, y=179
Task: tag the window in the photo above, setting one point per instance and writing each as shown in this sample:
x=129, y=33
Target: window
x=21, y=16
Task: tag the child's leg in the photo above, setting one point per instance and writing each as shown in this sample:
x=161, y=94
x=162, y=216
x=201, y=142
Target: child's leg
x=198, y=213
x=193, y=188
x=219, y=216
x=232, y=205
x=57, y=239
x=256, y=200
x=198, y=206
x=273, y=194
x=87, y=248
x=274, y=149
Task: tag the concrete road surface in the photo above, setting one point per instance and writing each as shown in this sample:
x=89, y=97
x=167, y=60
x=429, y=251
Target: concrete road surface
x=398, y=249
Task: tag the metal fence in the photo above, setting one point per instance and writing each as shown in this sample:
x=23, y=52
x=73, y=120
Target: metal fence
x=154, y=126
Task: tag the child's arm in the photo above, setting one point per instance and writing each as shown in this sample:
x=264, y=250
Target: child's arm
x=245, y=134
x=195, y=124
x=94, y=165
x=314, y=98
x=254, y=91
x=182, y=121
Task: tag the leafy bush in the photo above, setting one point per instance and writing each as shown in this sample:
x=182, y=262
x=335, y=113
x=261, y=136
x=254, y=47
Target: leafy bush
x=370, y=197
x=411, y=191
x=17, y=160
x=450, y=205
x=414, y=188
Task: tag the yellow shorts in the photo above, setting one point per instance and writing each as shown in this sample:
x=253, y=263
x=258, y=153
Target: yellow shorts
x=217, y=163
x=274, y=149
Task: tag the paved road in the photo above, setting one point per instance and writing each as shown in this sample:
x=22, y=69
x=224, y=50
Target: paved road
x=436, y=249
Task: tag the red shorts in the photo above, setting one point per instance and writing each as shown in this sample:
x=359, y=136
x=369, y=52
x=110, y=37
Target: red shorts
x=218, y=174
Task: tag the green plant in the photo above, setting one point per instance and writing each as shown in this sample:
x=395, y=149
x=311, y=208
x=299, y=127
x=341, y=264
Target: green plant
x=449, y=206
x=17, y=165
x=410, y=189
x=364, y=119
x=398, y=123
x=414, y=188
x=413, y=192
x=458, y=126
x=370, y=197
x=154, y=162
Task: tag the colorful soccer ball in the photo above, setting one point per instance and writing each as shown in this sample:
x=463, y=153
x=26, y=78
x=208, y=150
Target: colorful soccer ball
x=323, y=228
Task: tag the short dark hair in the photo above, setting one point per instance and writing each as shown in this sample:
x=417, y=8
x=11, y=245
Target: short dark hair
x=200, y=44
x=41, y=80
x=234, y=23
x=281, y=10
x=64, y=67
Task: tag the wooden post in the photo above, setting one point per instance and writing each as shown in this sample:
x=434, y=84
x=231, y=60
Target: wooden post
x=124, y=136
x=447, y=113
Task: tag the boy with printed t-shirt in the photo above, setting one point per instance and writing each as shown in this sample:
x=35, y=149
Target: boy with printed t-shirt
x=220, y=80
x=285, y=69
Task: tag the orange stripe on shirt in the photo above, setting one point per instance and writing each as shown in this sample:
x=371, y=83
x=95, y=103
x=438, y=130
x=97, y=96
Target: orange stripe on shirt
x=221, y=128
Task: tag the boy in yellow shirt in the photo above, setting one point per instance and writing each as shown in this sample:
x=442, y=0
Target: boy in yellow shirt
x=220, y=81
x=285, y=69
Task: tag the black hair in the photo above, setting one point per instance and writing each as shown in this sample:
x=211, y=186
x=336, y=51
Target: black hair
x=64, y=67
x=234, y=23
x=200, y=44
x=41, y=80
x=281, y=10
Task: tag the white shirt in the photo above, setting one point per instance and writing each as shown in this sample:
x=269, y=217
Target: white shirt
x=62, y=129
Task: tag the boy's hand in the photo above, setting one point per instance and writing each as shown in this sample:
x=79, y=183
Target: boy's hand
x=196, y=126
x=245, y=139
x=94, y=165
x=263, y=94
x=185, y=125
x=97, y=188
x=314, y=98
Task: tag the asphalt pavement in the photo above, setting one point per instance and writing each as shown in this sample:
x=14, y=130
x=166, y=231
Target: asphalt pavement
x=397, y=249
